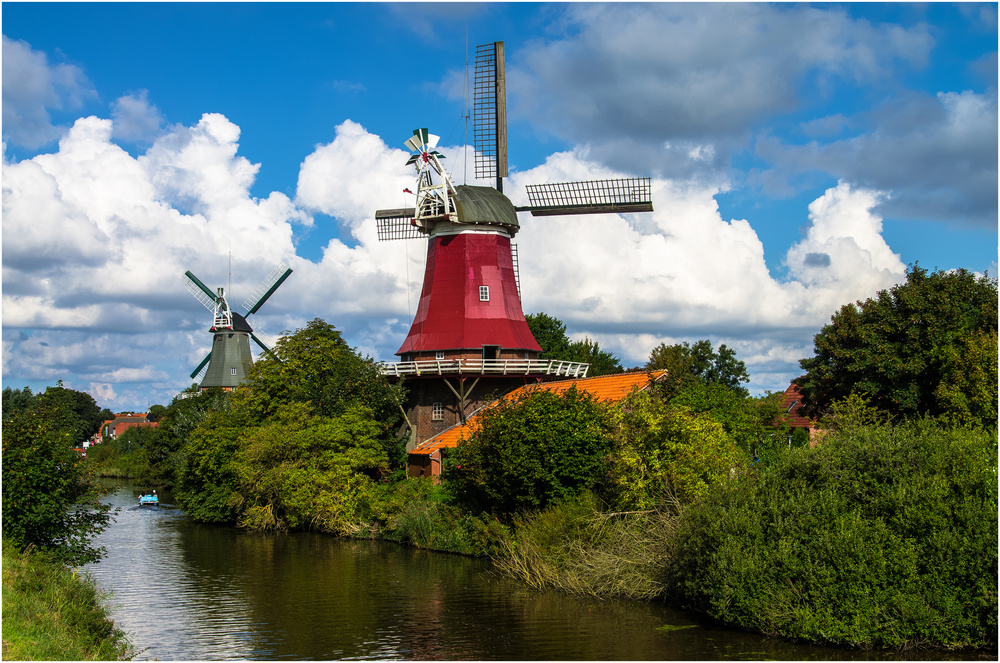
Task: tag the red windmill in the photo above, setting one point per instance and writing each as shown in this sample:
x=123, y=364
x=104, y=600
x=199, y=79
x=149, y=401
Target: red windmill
x=469, y=340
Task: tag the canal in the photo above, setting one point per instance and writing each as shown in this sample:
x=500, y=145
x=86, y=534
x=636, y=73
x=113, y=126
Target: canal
x=185, y=591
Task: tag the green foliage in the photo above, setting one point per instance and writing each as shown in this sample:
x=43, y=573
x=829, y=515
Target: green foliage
x=665, y=452
x=207, y=485
x=601, y=361
x=551, y=335
x=968, y=388
x=317, y=366
x=70, y=411
x=423, y=517
x=686, y=364
x=16, y=400
x=52, y=613
x=48, y=500
x=927, y=346
x=528, y=453
x=306, y=442
x=881, y=536
x=300, y=471
x=751, y=422
x=156, y=412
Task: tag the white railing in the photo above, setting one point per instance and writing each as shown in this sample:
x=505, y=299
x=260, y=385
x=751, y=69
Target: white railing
x=570, y=369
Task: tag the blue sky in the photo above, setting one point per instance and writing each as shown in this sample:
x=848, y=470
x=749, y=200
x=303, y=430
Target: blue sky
x=802, y=156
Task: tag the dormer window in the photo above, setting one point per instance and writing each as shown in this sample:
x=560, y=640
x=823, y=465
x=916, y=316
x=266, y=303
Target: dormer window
x=484, y=293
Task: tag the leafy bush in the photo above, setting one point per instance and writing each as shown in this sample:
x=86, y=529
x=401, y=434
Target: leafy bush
x=663, y=452
x=528, y=453
x=48, y=499
x=880, y=537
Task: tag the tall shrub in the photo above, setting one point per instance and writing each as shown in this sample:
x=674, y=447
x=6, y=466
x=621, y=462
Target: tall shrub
x=880, y=537
x=528, y=453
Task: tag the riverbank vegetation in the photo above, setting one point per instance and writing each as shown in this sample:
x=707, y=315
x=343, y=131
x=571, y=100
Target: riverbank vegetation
x=51, y=511
x=881, y=534
x=51, y=613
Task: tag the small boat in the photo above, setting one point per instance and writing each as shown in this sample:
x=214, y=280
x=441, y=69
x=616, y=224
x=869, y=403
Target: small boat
x=149, y=500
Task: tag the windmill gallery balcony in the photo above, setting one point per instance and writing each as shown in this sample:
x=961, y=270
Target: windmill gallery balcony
x=429, y=367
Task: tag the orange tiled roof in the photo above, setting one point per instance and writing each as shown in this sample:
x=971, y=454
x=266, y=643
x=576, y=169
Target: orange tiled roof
x=606, y=388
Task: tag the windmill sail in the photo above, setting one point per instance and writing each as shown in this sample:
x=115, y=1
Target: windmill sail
x=266, y=288
x=489, y=113
x=230, y=359
x=624, y=195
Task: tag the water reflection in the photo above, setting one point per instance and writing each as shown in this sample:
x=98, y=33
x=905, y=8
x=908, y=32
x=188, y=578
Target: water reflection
x=189, y=591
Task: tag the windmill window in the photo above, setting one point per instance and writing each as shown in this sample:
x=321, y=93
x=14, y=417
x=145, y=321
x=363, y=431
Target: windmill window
x=232, y=371
x=437, y=412
x=439, y=354
x=484, y=293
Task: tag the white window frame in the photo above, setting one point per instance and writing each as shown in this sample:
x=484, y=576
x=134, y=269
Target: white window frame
x=439, y=355
x=437, y=411
x=484, y=293
x=232, y=371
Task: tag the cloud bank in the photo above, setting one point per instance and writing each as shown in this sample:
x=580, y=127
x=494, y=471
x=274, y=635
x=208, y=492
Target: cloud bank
x=95, y=241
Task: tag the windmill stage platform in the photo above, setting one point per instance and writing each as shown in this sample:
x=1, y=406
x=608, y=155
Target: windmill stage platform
x=436, y=367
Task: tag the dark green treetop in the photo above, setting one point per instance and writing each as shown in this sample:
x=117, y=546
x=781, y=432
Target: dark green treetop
x=926, y=346
x=688, y=363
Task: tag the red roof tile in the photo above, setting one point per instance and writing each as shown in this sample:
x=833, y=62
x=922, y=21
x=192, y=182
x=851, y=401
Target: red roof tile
x=791, y=403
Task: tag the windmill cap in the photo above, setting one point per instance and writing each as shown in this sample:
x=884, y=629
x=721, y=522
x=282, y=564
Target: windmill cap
x=485, y=205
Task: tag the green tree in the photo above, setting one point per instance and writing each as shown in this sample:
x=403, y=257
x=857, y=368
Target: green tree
x=316, y=366
x=753, y=423
x=601, y=361
x=908, y=349
x=550, y=333
x=664, y=451
x=302, y=471
x=48, y=500
x=73, y=412
x=316, y=388
x=686, y=363
x=17, y=400
x=528, y=453
x=156, y=412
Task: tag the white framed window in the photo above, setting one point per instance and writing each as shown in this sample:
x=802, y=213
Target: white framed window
x=439, y=354
x=232, y=371
x=484, y=293
x=437, y=411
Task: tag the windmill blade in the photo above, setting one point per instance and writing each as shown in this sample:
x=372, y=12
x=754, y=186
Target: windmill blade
x=422, y=139
x=263, y=346
x=199, y=290
x=266, y=288
x=396, y=224
x=631, y=194
x=202, y=367
x=489, y=113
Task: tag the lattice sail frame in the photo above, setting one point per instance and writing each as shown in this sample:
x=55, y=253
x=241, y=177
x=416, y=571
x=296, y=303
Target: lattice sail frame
x=629, y=194
x=489, y=113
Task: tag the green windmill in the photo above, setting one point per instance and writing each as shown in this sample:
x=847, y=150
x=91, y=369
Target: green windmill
x=229, y=360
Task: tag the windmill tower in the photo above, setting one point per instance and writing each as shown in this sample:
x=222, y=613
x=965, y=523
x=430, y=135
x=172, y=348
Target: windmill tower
x=469, y=340
x=228, y=362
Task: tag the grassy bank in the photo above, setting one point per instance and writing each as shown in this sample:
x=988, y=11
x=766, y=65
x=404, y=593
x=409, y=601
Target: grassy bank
x=50, y=612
